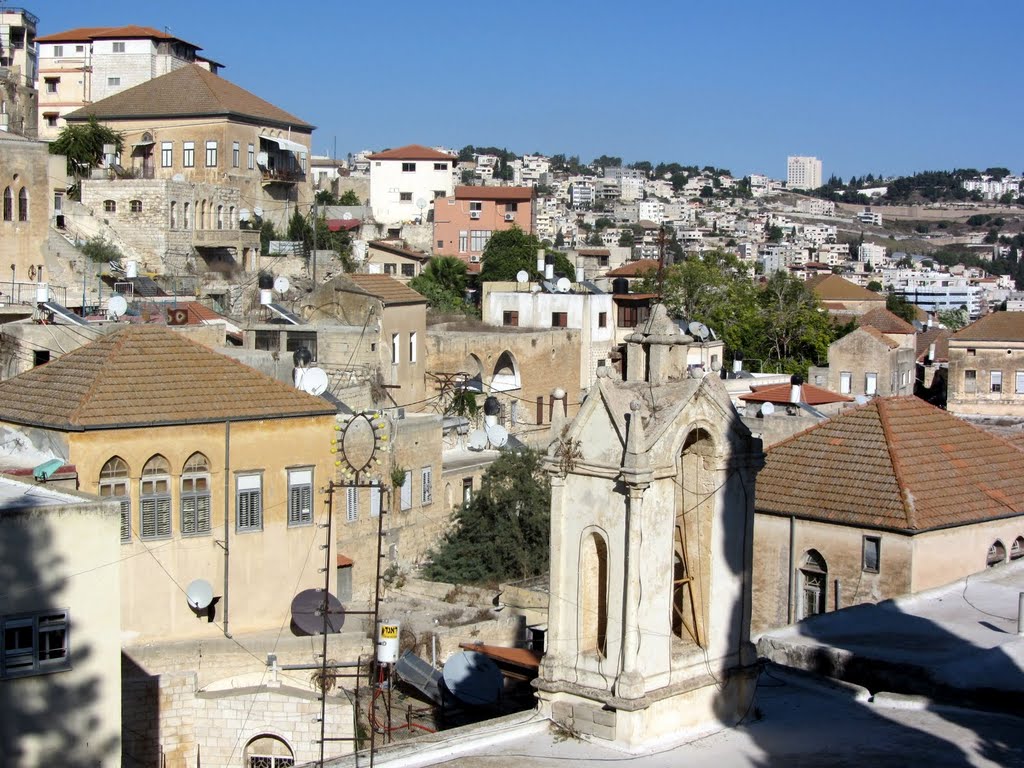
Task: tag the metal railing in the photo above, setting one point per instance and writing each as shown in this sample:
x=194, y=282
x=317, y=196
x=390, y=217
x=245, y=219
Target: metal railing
x=15, y=292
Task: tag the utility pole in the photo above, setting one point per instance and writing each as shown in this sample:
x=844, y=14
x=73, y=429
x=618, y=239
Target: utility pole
x=316, y=220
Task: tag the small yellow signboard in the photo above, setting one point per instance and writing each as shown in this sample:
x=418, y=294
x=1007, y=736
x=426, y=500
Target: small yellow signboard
x=388, y=631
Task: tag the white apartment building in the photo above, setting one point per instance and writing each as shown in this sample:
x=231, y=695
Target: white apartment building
x=869, y=217
x=870, y=253
x=803, y=172
x=405, y=181
x=581, y=194
x=631, y=188
x=939, y=292
x=651, y=210
x=992, y=189
x=659, y=188
x=84, y=65
x=833, y=254
x=529, y=169
x=818, y=234
x=817, y=207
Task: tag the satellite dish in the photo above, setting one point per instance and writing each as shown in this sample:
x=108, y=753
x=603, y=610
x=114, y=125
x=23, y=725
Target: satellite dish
x=257, y=211
x=243, y=215
x=178, y=177
x=767, y=409
x=473, y=678
x=477, y=440
x=346, y=216
x=497, y=435
x=860, y=400
x=421, y=203
x=117, y=305
x=699, y=330
x=199, y=595
x=522, y=276
x=535, y=288
x=563, y=285
x=314, y=381
x=308, y=612
x=281, y=284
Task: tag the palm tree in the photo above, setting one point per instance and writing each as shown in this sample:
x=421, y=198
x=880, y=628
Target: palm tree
x=82, y=145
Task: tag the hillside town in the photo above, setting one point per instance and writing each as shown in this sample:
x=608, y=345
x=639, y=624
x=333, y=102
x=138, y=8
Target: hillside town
x=409, y=441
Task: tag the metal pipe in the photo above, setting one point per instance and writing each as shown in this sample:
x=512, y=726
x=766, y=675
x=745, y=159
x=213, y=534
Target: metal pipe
x=792, y=567
x=227, y=518
x=1020, y=613
x=324, y=608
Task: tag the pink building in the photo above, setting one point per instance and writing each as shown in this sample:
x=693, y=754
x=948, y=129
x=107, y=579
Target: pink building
x=464, y=222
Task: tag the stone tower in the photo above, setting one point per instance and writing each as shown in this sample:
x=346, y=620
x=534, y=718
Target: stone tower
x=652, y=516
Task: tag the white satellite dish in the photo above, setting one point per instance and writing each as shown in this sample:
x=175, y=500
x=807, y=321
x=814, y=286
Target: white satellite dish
x=243, y=215
x=699, y=330
x=281, y=284
x=199, y=594
x=421, y=203
x=477, y=440
x=767, y=409
x=257, y=211
x=497, y=435
x=178, y=177
x=522, y=276
x=117, y=305
x=314, y=381
x=860, y=400
x=346, y=216
x=563, y=285
x=535, y=288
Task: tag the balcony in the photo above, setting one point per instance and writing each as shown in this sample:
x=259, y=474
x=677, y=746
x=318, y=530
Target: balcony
x=225, y=238
x=276, y=176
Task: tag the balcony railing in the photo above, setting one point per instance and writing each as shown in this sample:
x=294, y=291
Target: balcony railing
x=271, y=175
x=226, y=237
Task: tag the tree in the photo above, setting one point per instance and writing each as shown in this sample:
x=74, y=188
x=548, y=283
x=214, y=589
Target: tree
x=775, y=234
x=875, y=286
x=626, y=239
x=349, y=197
x=604, y=161
x=503, y=533
x=512, y=250
x=82, y=145
x=98, y=250
x=796, y=330
x=443, y=283
x=604, y=222
x=595, y=239
x=325, y=197
x=267, y=233
x=900, y=306
x=954, y=319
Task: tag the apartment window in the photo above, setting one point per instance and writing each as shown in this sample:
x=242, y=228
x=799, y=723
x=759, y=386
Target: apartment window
x=426, y=486
x=406, y=495
x=408, y=270
x=478, y=239
x=195, y=496
x=300, y=496
x=602, y=319
x=395, y=348
x=440, y=166
x=559, y=319
x=35, y=643
x=8, y=204
x=970, y=382
x=872, y=554
x=467, y=490
x=1018, y=383
x=510, y=318
x=135, y=206
x=109, y=206
x=632, y=316
x=408, y=167
x=249, y=502
x=476, y=206
x=58, y=50
x=870, y=383
x=996, y=381
x=211, y=154
x=155, y=499
x=511, y=207
x=188, y=154
x=166, y=154
x=351, y=504
x=174, y=214
x=251, y=156
x=113, y=81
x=463, y=241
x=79, y=49
x=22, y=204
x=118, y=47
x=405, y=197
x=971, y=352
x=390, y=269
x=51, y=84
x=51, y=119
x=114, y=487
x=412, y=347
x=845, y=382
x=236, y=154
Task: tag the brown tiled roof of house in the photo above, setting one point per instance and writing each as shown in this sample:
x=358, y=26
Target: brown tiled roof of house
x=885, y=321
x=493, y=193
x=399, y=250
x=998, y=326
x=147, y=375
x=937, y=336
x=779, y=394
x=190, y=91
x=634, y=268
x=387, y=289
x=874, y=332
x=593, y=252
x=896, y=463
x=412, y=152
x=129, y=32
x=836, y=288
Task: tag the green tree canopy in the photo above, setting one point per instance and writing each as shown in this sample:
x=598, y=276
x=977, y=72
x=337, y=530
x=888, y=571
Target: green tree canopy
x=875, y=286
x=82, y=145
x=900, y=307
x=349, y=197
x=443, y=283
x=503, y=533
x=511, y=250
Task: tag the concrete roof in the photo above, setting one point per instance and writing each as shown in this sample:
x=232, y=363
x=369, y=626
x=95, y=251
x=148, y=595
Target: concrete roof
x=836, y=288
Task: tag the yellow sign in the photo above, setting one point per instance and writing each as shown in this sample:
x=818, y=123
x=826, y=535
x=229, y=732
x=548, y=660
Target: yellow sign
x=388, y=631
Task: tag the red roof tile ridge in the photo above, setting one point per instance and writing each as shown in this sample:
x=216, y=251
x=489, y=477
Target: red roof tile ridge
x=115, y=342
x=897, y=467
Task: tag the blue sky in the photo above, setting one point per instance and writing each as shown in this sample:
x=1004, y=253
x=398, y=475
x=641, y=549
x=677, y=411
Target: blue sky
x=890, y=87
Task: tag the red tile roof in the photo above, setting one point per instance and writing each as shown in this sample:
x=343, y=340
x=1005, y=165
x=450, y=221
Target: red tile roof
x=885, y=321
x=387, y=289
x=399, y=249
x=493, y=193
x=593, y=252
x=877, y=334
x=779, y=394
x=835, y=288
x=998, y=326
x=937, y=336
x=132, y=31
x=895, y=463
x=634, y=268
x=412, y=152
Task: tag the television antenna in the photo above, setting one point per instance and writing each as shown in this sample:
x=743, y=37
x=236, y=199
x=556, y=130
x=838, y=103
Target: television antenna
x=497, y=435
x=117, y=305
x=477, y=440
x=243, y=215
x=257, y=211
x=767, y=409
x=472, y=678
x=309, y=616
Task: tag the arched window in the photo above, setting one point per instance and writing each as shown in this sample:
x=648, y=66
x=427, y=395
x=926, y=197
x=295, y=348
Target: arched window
x=195, y=496
x=23, y=204
x=1017, y=548
x=187, y=215
x=114, y=486
x=201, y=221
x=174, y=215
x=8, y=204
x=155, y=499
x=267, y=751
x=110, y=206
x=694, y=506
x=813, y=584
x=220, y=217
x=996, y=554
x=593, y=591
x=506, y=373
x=231, y=217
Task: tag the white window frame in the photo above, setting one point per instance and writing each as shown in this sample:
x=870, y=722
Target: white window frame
x=211, y=154
x=408, y=167
x=870, y=383
x=351, y=504
x=51, y=629
x=426, y=486
x=396, y=348
x=300, y=496
x=236, y=154
x=195, y=502
x=463, y=241
x=412, y=346
x=249, y=486
x=995, y=382
x=251, y=155
x=113, y=81
x=117, y=47
x=166, y=154
x=1018, y=383
x=188, y=154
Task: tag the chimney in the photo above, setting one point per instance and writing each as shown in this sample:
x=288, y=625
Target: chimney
x=795, y=390
x=931, y=353
x=737, y=363
x=549, y=271
x=540, y=260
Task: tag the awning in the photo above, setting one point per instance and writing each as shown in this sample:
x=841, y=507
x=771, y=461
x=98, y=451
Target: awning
x=287, y=144
x=143, y=143
x=335, y=225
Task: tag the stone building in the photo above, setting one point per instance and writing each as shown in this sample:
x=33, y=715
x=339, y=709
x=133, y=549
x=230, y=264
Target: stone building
x=885, y=500
x=18, y=67
x=869, y=362
x=986, y=367
x=652, y=528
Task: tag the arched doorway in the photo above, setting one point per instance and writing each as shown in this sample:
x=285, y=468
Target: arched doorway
x=506, y=373
x=266, y=751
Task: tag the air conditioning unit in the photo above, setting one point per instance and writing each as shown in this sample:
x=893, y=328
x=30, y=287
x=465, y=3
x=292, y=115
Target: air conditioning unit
x=474, y=214
x=474, y=259
x=510, y=217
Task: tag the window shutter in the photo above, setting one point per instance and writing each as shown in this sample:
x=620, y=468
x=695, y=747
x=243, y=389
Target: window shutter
x=427, y=495
x=147, y=522
x=294, y=505
x=126, y=520
x=352, y=498
x=203, y=513
x=163, y=516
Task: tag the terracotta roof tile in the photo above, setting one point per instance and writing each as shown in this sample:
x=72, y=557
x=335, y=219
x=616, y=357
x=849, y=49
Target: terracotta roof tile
x=387, y=289
x=938, y=336
x=836, y=288
x=885, y=321
x=780, y=393
x=187, y=92
x=895, y=463
x=998, y=326
x=872, y=331
x=399, y=249
x=593, y=252
x=493, y=193
x=147, y=375
x=129, y=32
x=634, y=268
x=412, y=152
